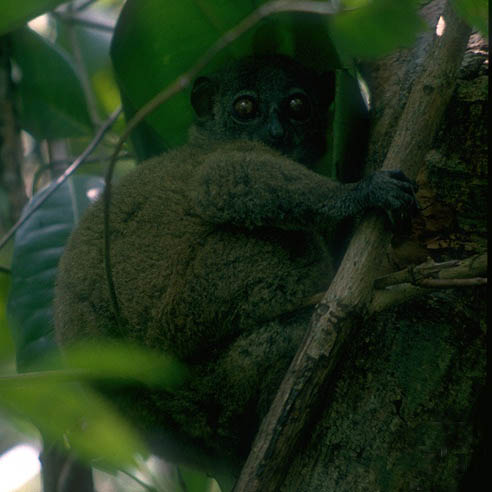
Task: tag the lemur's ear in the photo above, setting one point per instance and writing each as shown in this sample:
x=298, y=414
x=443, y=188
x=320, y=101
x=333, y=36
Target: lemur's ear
x=203, y=96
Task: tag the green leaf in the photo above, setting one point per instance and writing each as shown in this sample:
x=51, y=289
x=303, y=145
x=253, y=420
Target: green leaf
x=94, y=52
x=110, y=360
x=92, y=427
x=38, y=246
x=195, y=481
x=6, y=344
x=475, y=12
x=377, y=28
x=142, y=50
x=52, y=103
x=14, y=14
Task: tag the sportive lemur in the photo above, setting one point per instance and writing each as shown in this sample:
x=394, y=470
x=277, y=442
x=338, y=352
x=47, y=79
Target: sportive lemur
x=213, y=243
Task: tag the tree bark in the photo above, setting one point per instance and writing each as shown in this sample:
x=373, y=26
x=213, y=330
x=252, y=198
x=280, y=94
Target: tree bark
x=400, y=396
x=405, y=409
x=11, y=183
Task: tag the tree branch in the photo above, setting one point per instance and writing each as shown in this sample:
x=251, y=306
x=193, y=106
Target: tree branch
x=398, y=287
x=69, y=171
x=349, y=295
x=11, y=181
x=401, y=286
x=475, y=266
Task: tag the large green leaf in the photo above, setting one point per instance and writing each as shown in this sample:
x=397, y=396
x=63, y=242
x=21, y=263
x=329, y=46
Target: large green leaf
x=110, y=361
x=52, y=103
x=38, y=246
x=14, y=14
x=93, y=428
x=63, y=402
x=475, y=12
x=6, y=344
x=376, y=28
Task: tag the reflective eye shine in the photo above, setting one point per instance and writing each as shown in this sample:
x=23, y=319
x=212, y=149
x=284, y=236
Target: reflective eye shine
x=245, y=107
x=299, y=107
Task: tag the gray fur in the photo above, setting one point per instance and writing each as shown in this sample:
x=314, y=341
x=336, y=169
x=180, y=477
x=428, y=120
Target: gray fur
x=212, y=243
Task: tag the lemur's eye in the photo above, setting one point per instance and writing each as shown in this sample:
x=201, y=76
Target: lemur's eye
x=298, y=107
x=245, y=107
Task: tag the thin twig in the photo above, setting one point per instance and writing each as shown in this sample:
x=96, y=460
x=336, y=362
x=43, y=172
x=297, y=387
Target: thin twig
x=412, y=273
x=63, y=162
x=451, y=283
x=398, y=287
x=474, y=266
x=398, y=294
x=70, y=170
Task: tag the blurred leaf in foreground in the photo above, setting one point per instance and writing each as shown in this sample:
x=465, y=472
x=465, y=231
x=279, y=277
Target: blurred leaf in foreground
x=94, y=430
x=14, y=14
x=39, y=243
x=109, y=360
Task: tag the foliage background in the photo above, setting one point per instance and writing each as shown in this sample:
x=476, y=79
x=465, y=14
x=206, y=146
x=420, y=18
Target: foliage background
x=60, y=77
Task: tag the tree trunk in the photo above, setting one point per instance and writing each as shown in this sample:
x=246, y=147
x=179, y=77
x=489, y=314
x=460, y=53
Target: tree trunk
x=12, y=193
x=405, y=409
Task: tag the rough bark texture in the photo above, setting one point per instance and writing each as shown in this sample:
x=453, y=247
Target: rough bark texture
x=390, y=82
x=402, y=415
x=405, y=410
x=12, y=193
